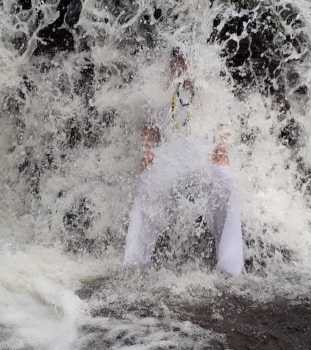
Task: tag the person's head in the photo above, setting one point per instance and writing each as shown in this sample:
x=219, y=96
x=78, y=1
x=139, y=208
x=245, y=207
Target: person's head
x=178, y=63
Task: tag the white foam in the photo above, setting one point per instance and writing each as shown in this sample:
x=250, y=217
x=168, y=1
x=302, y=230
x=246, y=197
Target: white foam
x=39, y=308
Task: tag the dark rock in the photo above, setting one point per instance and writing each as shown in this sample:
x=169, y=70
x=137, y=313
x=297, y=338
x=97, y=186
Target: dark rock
x=91, y=130
x=276, y=325
x=303, y=90
x=249, y=137
x=109, y=118
x=81, y=245
x=304, y=182
x=146, y=30
x=293, y=77
x=240, y=4
x=131, y=43
x=281, y=103
x=25, y=4
x=63, y=83
x=233, y=26
x=23, y=166
x=157, y=14
x=262, y=254
x=69, y=11
x=280, y=323
x=95, y=126
x=54, y=37
x=175, y=17
x=14, y=104
x=78, y=219
x=85, y=44
x=232, y=46
x=241, y=55
x=39, y=17
x=290, y=134
x=54, y=40
x=257, y=43
x=287, y=12
x=104, y=74
x=30, y=171
x=124, y=10
x=48, y=160
x=74, y=133
x=29, y=84
x=20, y=41
x=73, y=13
x=84, y=84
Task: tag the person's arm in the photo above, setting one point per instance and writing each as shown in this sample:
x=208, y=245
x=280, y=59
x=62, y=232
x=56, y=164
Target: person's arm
x=220, y=155
x=148, y=136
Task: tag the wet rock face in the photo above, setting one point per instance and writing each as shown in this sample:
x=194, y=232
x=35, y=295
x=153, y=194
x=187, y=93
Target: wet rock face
x=157, y=14
x=256, y=43
x=260, y=254
x=124, y=10
x=290, y=134
x=199, y=247
x=90, y=131
x=55, y=38
x=147, y=31
x=304, y=179
x=76, y=222
x=14, y=105
x=84, y=84
x=70, y=11
x=19, y=41
x=255, y=40
x=25, y=4
x=278, y=324
x=54, y=41
x=30, y=171
x=63, y=33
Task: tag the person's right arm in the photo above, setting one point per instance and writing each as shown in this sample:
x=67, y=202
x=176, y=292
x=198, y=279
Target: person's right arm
x=148, y=136
x=220, y=155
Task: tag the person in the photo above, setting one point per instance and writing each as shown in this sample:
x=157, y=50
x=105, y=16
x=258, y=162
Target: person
x=163, y=167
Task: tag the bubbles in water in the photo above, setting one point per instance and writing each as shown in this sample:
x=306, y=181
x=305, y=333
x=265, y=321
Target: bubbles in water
x=76, y=81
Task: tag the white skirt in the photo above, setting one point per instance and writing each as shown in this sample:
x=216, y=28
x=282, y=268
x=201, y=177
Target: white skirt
x=176, y=163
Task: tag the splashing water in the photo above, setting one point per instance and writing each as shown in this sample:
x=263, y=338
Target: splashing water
x=76, y=80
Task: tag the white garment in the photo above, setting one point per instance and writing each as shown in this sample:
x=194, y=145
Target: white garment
x=175, y=160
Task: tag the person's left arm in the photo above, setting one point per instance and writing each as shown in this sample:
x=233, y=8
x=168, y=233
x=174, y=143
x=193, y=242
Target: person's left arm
x=148, y=136
x=220, y=155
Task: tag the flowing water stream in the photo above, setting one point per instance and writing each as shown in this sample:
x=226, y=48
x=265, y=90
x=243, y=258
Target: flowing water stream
x=76, y=81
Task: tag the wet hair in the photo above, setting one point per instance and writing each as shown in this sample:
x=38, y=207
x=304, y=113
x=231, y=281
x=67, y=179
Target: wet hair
x=178, y=62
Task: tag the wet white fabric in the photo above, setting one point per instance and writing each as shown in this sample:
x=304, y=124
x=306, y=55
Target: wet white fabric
x=174, y=161
x=225, y=220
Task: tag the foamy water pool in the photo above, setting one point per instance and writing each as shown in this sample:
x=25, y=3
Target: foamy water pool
x=55, y=295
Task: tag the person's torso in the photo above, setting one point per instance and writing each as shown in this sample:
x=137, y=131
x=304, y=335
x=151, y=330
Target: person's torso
x=176, y=115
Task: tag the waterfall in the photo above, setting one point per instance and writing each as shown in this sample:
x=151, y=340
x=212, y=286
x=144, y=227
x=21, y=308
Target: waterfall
x=78, y=80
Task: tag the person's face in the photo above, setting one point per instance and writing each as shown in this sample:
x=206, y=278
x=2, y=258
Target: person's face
x=178, y=65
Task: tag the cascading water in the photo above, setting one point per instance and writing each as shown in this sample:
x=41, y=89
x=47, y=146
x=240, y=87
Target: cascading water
x=77, y=79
